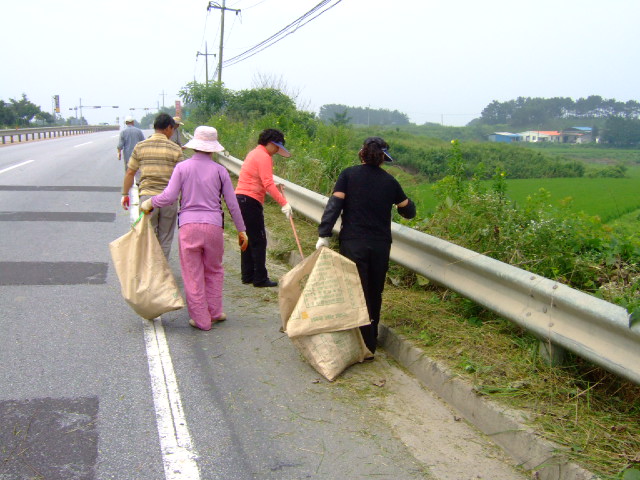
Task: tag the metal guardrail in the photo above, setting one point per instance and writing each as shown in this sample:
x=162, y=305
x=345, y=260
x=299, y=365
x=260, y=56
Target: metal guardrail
x=50, y=132
x=591, y=328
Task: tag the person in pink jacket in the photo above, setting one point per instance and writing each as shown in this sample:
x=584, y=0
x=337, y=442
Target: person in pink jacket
x=203, y=183
x=254, y=182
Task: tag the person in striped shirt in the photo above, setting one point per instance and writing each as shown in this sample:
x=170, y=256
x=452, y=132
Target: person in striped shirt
x=155, y=158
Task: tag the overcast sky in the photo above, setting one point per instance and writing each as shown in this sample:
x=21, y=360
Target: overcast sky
x=437, y=61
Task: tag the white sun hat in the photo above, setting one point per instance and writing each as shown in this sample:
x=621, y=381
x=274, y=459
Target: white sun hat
x=205, y=139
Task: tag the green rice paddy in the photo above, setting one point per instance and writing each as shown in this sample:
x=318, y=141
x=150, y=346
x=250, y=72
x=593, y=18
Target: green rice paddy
x=608, y=198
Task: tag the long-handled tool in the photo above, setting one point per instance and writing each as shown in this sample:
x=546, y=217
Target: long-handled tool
x=293, y=226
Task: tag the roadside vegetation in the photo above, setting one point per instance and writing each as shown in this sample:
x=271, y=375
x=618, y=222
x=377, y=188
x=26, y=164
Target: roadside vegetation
x=593, y=415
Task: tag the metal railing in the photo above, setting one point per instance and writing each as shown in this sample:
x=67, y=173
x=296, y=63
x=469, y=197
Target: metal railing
x=591, y=328
x=50, y=132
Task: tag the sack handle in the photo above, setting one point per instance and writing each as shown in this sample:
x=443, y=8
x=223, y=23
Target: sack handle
x=133, y=225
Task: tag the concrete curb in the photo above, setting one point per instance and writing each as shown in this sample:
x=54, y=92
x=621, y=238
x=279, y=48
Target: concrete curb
x=544, y=459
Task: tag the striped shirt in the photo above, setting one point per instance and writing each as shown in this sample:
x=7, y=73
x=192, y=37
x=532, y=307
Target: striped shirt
x=155, y=157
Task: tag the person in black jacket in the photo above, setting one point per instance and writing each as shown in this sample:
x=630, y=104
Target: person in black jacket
x=365, y=195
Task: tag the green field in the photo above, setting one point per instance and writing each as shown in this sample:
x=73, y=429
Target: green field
x=589, y=153
x=609, y=198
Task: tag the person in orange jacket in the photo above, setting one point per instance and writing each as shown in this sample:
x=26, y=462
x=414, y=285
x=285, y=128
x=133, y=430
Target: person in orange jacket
x=254, y=182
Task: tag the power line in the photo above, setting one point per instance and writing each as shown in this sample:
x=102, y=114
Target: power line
x=288, y=30
x=254, y=5
x=281, y=34
x=202, y=42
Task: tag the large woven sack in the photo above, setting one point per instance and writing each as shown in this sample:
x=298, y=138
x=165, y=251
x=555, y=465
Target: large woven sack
x=322, y=294
x=332, y=353
x=146, y=281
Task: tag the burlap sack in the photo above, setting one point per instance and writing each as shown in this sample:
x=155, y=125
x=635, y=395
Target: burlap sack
x=322, y=294
x=332, y=353
x=146, y=281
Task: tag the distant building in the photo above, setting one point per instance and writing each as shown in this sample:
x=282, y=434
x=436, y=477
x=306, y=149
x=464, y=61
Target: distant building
x=540, y=136
x=568, y=135
x=552, y=136
x=504, y=137
x=577, y=135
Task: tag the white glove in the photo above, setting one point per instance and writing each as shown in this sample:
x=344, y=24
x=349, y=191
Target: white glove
x=322, y=242
x=146, y=206
x=287, y=210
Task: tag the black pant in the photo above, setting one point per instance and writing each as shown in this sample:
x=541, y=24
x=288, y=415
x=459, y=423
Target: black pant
x=253, y=259
x=372, y=260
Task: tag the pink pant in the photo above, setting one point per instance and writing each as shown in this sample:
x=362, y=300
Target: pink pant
x=201, y=250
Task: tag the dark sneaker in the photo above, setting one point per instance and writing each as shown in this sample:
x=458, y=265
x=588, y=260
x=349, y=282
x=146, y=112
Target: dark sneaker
x=267, y=283
x=247, y=281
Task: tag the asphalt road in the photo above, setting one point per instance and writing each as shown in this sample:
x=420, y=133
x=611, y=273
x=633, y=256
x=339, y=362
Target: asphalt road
x=89, y=390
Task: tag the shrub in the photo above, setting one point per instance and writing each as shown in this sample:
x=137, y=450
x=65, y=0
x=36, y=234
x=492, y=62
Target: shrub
x=553, y=242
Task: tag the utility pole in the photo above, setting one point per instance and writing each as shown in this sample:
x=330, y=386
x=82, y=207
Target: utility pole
x=206, y=61
x=162, y=95
x=222, y=10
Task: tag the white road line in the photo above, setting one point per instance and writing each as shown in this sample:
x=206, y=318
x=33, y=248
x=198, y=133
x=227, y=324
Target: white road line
x=178, y=453
x=15, y=166
x=81, y=144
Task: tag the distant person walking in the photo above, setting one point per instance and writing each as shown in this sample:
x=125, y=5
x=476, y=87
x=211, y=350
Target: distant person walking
x=254, y=182
x=202, y=183
x=155, y=158
x=365, y=194
x=177, y=137
x=129, y=136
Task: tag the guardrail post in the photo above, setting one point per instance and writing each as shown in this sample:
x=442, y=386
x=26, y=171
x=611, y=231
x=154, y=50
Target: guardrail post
x=553, y=355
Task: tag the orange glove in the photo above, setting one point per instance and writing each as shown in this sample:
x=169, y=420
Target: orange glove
x=243, y=241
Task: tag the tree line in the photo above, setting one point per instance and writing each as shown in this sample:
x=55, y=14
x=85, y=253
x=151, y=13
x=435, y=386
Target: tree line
x=525, y=111
x=20, y=113
x=616, y=123
x=206, y=100
x=24, y=113
x=344, y=115
x=424, y=155
x=559, y=245
x=482, y=160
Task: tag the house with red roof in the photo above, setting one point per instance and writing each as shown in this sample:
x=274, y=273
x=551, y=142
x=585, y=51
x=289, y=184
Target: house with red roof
x=540, y=136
